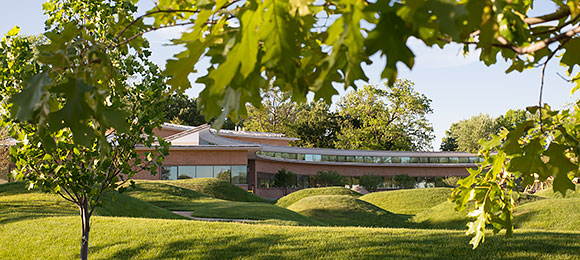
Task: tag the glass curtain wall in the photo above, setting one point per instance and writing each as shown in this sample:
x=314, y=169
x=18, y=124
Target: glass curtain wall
x=236, y=174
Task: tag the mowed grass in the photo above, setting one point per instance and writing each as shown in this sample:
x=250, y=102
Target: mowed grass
x=175, y=198
x=16, y=203
x=411, y=201
x=294, y=197
x=549, y=193
x=345, y=210
x=549, y=214
x=132, y=238
x=217, y=189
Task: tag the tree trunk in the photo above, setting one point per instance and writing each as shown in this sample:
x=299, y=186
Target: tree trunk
x=85, y=220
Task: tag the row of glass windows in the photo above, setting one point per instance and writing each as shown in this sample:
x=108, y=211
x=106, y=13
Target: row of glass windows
x=236, y=174
x=389, y=182
x=368, y=159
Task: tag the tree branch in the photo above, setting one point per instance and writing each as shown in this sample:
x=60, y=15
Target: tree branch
x=150, y=30
x=561, y=13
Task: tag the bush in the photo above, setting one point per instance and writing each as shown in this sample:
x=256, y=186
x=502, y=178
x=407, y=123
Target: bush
x=405, y=181
x=370, y=182
x=183, y=177
x=451, y=181
x=330, y=178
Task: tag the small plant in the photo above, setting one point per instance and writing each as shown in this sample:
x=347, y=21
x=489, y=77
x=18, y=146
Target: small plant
x=451, y=181
x=371, y=182
x=330, y=178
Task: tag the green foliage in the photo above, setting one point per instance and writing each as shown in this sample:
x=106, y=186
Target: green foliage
x=217, y=189
x=315, y=125
x=404, y=181
x=329, y=178
x=410, y=201
x=293, y=197
x=371, y=182
x=284, y=179
x=392, y=118
x=451, y=181
x=276, y=113
x=183, y=110
x=344, y=210
x=465, y=134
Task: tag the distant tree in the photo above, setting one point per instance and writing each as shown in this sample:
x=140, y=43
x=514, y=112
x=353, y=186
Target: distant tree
x=329, y=178
x=183, y=110
x=512, y=118
x=387, y=118
x=284, y=179
x=277, y=113
x=465, y=134
x=315, y=125
x=451, y=181
x=370, y=182
x=4, y=155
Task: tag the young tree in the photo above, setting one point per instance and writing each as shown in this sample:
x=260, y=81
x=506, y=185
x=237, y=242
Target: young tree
x=329, y=178
x=315, y=125
x=74, y=110
x=276, y=114
x=393, y=118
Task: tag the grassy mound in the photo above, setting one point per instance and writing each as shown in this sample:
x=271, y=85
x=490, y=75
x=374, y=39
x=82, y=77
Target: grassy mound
x=181, y=199
x=442, y=216
x=549, y=214
x=344, y=210
x=293, y=197
x=217, y=189
x=15, y=201
x=549, y=193
x=124, y=238
x=410, y=201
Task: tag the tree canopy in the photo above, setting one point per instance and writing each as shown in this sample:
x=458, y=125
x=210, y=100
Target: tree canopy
x=389, y=118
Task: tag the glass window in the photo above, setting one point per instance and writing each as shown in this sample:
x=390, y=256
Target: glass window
x=424, y=159
x=278, y=155
x=351, y=158
x=473, y=159
x=453, y=159
x=360, y=159
x=303, y=181
x=433, y=159
x=405, y=159
x=169, y=173
x=285, y=155
x=204, y=171
x=292, y=156
x=239, y=174
x=325, y=158
x=186, y=172
x=396, y=159
x=222, y=172
x=341, y=158
x=414, y=160
x=300, y=156
x=463, y=160
x=443, y=159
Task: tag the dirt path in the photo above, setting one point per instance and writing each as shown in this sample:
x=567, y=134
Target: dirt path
x=187, y=214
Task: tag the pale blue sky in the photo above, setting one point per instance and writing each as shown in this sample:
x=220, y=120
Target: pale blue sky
x=459, y=87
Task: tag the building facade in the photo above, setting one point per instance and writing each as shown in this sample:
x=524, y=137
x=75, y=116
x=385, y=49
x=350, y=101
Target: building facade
x=251, y=160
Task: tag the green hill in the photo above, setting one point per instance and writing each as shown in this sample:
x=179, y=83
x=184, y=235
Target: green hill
x=16, y=200
x=181, y=199
x=549, y=193
x=345, y=210
x=217, y=189
x=293, y=197
x=549, y=214
x=442, y=216
x=411, y=201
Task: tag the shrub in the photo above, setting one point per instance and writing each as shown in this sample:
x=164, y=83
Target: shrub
x=405, y=181
x=451, y=181
x=183, y=177
x=370, y=182
x=330, y=178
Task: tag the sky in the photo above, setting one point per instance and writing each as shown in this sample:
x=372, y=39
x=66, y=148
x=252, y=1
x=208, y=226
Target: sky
x=459, y=86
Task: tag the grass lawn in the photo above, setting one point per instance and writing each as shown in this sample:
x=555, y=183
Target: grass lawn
x=133, y=238
x=217, y=189
x=549, y=193
x=345, y=210
x=411, y=201
x=293, y=197
x=549, y=214
x=176, y=198
x=16, y=203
